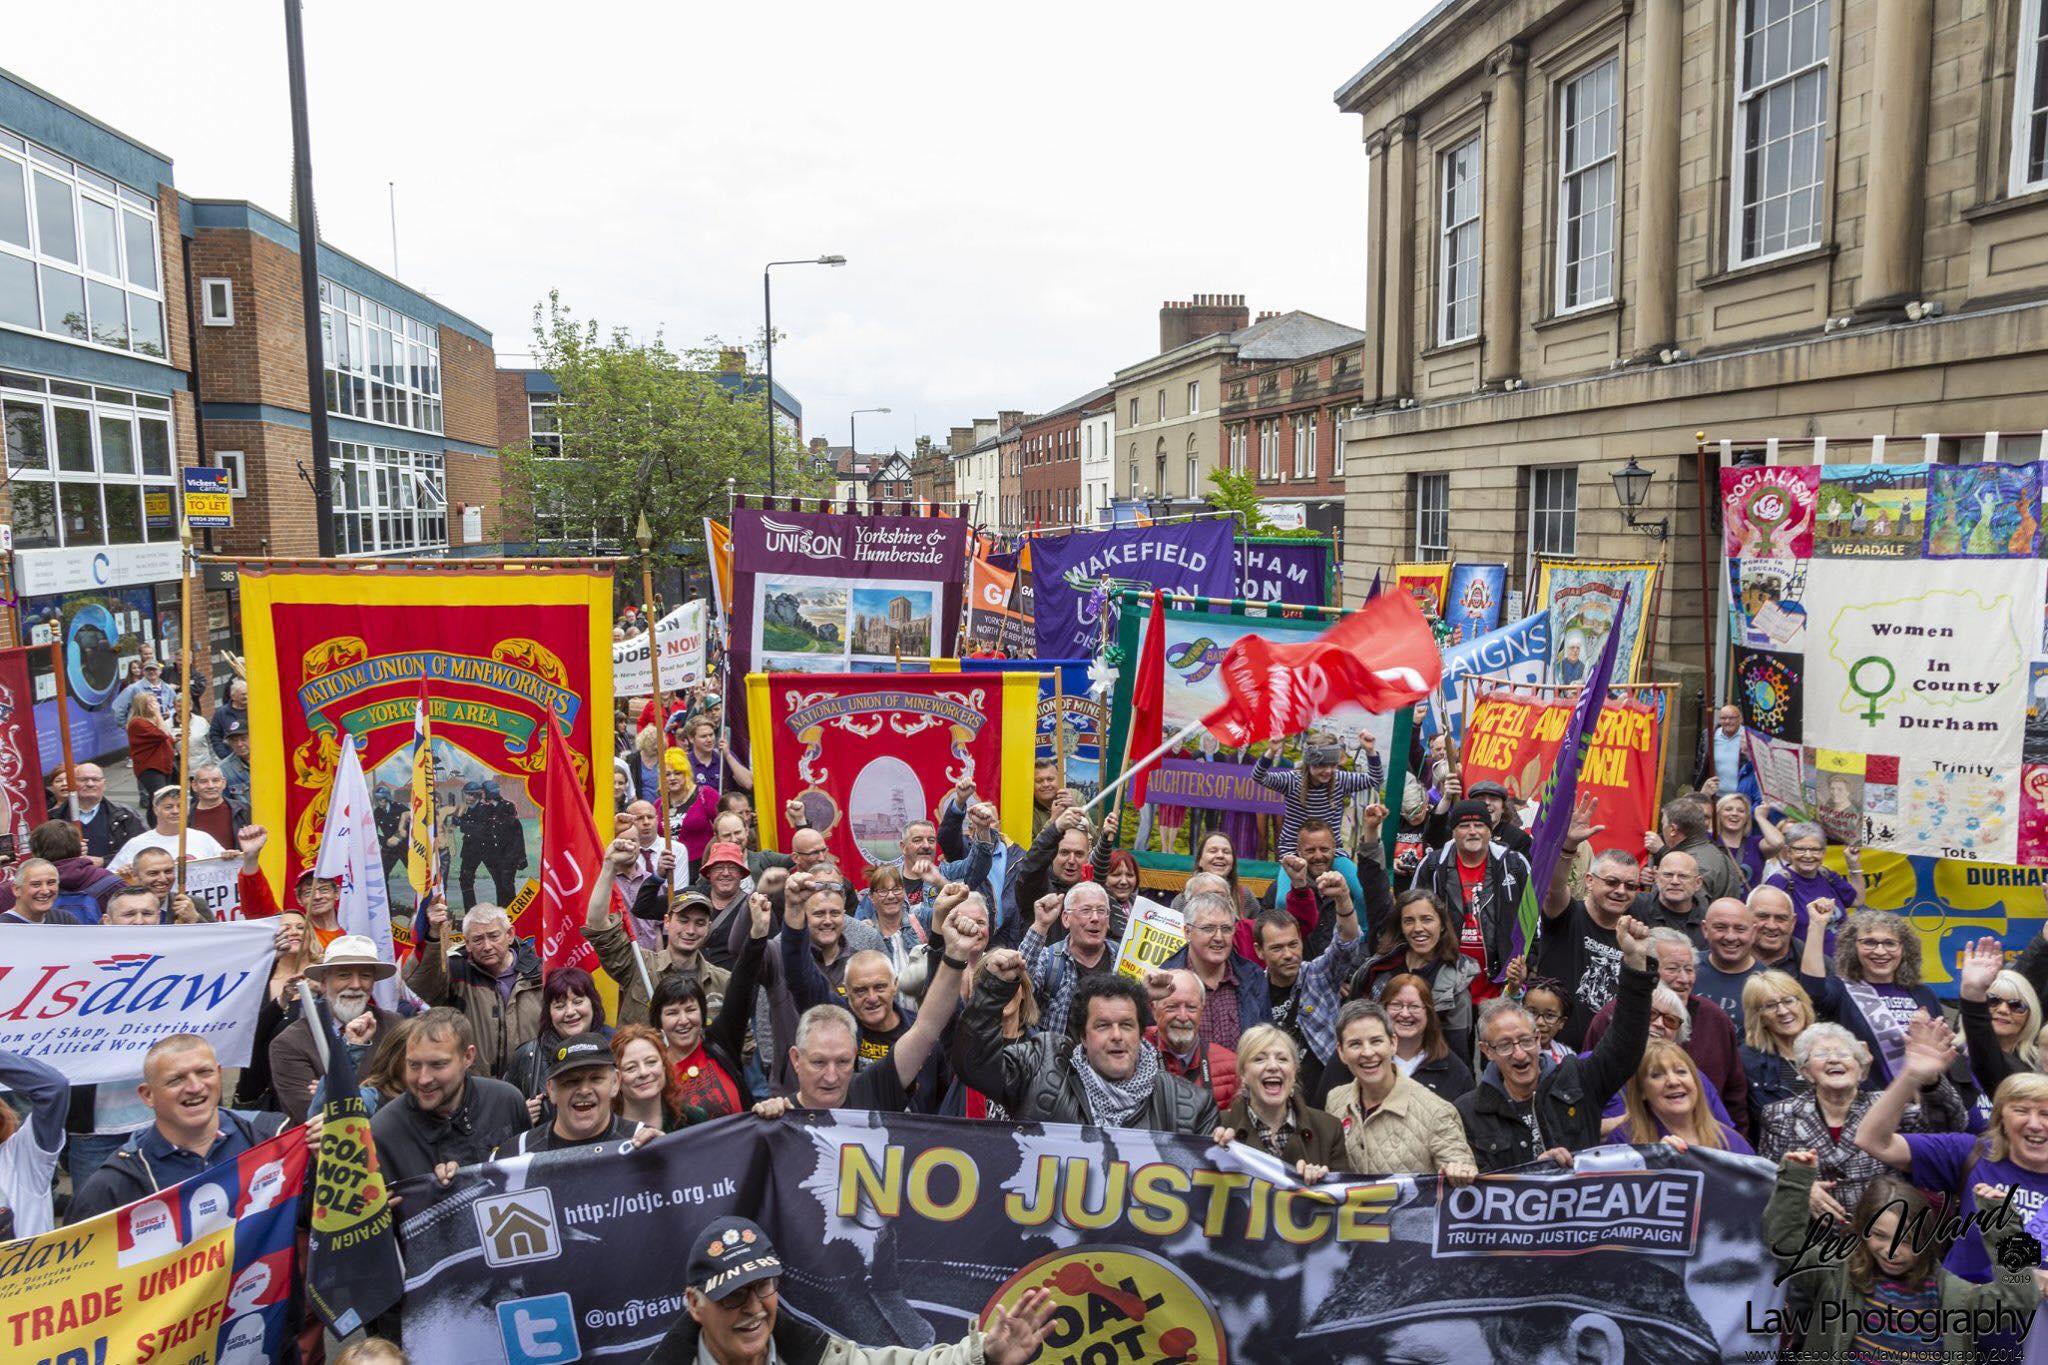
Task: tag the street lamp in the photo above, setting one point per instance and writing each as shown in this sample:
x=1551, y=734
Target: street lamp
x=768, y=349
x=853, y=428
x=1632, y=486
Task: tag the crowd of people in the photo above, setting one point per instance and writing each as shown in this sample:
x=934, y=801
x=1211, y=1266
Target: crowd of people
x=1709, y=984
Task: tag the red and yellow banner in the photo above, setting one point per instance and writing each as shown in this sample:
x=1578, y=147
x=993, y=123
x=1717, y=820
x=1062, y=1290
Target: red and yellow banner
x=1426, y=583
x=1513, y=736
x=342, y=649
x=869, y=752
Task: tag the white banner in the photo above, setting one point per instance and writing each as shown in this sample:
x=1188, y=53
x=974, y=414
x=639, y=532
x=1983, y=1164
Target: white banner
x=91, y=1001
x=1155, y=933
x=681, y=633
x=350, y=852
x=215, y=884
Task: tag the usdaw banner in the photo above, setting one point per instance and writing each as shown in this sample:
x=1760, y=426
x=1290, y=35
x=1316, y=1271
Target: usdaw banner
x=904, y=1230
x=197, y=1274
x=869, y=752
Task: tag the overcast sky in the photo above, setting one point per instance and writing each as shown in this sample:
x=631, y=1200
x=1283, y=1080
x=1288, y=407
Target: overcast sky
x=1016, y=189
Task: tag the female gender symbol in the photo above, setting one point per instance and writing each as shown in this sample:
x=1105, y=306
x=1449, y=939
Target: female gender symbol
x=1872, y=694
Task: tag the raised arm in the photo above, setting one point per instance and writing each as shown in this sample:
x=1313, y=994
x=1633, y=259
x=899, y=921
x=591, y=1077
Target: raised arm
x=915, y=1046
x=806, y=984
x=48, y=1095
x=1982, y=962
x=1926, y=1059
x=736, y=1010
x=981, y=1057
x=1263, y=774
x=1557, y=897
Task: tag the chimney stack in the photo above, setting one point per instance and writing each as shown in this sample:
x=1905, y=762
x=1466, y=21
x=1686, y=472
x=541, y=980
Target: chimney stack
x=1205, y=315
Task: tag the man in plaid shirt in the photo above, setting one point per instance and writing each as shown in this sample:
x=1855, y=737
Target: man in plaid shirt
x=1057, y=969
x=1305, y=995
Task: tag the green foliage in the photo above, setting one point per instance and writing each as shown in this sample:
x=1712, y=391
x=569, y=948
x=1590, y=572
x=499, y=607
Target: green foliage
x=645, y=430
x=1239, y=494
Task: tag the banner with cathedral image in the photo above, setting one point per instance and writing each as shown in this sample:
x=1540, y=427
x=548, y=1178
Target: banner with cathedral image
x=334, y=650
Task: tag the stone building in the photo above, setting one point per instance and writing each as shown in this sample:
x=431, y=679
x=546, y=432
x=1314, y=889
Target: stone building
x=1597, y=229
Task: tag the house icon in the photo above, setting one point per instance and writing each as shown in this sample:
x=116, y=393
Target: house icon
x=517, y=1228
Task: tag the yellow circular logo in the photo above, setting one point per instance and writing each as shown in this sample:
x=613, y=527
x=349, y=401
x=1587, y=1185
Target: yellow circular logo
x=1114, y=1305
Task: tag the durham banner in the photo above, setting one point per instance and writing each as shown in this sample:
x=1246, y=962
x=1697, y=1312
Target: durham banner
x=1296, y=570
x=1584, y=596
x=1198, y=557
x=840, y=592
x=91, y=1006
x=907, y=1230
x=1513, y=736
x=869, y=752
x=200, y=1273
x=21, y=764
x=343, y=650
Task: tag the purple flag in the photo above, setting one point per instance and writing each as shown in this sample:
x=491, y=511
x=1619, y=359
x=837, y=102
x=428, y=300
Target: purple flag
x=1196, y=557
x=1546, y=839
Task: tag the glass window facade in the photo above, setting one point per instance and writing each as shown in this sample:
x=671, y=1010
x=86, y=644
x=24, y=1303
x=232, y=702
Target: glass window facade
x=87, y=466
x=388, y=501
x=380, y=365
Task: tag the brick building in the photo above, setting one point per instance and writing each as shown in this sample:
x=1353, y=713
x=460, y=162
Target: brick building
x=1595, y=230
x=1286, y=388
x=1010, y=461
x=1050, y=448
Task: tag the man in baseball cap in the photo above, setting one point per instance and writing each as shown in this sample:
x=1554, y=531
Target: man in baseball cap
x=1502, y=814
x=1481, y=881
x=583, y=1085
x=735, y=1315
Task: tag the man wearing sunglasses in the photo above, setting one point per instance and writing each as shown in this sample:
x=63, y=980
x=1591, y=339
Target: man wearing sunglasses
x=734, y=1316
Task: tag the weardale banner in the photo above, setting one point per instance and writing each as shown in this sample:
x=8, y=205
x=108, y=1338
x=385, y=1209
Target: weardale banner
x=905, y=1230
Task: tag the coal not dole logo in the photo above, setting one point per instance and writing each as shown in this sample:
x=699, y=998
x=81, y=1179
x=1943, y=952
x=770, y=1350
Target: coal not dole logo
x=1655, y=1211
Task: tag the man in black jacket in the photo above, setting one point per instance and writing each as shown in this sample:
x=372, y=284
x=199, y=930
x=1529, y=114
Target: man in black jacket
x=1102, y=1073
x=583, y=1088
x=1527, y=1107
x=1056, y=860
x=181, y=1086
x=1481, y=881
x=447, y=1117
x=107, y=825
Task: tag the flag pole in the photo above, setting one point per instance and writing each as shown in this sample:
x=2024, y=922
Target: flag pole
x=645, y=535
x=184, y=685
x=1132, y=769
x=64, y=728
x=1059, y=721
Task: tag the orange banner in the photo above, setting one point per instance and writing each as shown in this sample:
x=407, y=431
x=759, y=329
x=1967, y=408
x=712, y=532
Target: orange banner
x=1513, y=735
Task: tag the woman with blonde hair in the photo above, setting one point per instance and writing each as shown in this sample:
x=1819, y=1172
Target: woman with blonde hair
x=1775, y=1010
x=1270, y=1112
x=2001, y=1016
x=1666, y=1101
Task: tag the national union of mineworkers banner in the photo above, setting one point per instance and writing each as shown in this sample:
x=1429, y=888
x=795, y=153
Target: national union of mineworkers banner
x=342, y=650
x=905, y=1230
x=869, y=752
x=21, y=764
x=1196, y=557
x=201, y=1272
x=91, y=1004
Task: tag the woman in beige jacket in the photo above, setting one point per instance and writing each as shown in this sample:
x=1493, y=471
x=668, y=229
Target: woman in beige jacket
x=1392, y=1124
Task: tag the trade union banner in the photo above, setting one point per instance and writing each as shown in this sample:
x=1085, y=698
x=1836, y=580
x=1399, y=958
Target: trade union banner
x=869, y=752
x=1585, y=599
x=1513, y=736
x=682, y=634
x=1294, y=570
x=838, y=592
x=21, y=764
x=92, y=1006
x=344, y=651
x=1518, y=652
x=201, y=1272
x=1071, y=719
x=993, y=618
x=1893, y=677
x=1473, y=599
x=908, y=1230
x=1197, y=557
x=1427, y=583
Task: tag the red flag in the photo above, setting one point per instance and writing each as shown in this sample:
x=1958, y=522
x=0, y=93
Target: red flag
x=1148, y=697
x=569, y=855
x=1380, y=657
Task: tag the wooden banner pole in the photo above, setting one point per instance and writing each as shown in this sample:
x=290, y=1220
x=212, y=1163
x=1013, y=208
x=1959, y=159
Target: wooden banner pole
x=63, y=707
x=644, y=534
x=185, y=568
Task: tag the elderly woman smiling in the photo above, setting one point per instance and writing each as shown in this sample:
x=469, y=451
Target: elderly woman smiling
x=1824, y=1121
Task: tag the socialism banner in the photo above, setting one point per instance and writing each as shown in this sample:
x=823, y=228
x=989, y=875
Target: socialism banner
x=91, y=1006
x=334, y=651
x=837, y=592
x=1195, y=557
x=201, y=1273
x=869, y=752
x=906, y=1230
x=21, y=764
x=1513, y=736
x=682, y=637
x=1286, y=569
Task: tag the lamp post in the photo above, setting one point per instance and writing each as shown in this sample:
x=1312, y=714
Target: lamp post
x=853, y=428
x=1632, y=487
x=768, y=349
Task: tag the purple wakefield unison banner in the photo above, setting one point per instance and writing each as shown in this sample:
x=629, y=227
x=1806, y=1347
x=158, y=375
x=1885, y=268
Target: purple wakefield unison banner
x=1191, y=556
x=1212, y=786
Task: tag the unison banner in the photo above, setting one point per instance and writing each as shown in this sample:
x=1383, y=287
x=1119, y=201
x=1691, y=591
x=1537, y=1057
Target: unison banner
x=1513, y=737
x=21, y=764
x=201, y=1273
x=867, y=753
x=1584, y=598
x=1195, y=557
x=342, y=650
x=906, y=1230
x=1518, y=653
x=1284, y=569
x=92, y=1004
x=832, y=592
x=682, y=637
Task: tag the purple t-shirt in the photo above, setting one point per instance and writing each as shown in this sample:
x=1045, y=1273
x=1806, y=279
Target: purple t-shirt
x=1941, y=1161
x=1824, y=885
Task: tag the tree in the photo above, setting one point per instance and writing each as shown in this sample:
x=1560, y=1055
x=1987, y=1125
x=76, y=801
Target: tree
x=644, y=430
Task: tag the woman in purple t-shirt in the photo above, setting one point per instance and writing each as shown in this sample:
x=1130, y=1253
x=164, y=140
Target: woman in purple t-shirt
x=1804, y=879
x=1875, y=990
x=2012, y=1153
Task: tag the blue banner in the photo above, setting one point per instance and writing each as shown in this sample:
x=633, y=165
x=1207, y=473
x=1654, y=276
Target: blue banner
x=1519, y=652
x=1087, y=717
x=1472, y=603
x=1190, y=557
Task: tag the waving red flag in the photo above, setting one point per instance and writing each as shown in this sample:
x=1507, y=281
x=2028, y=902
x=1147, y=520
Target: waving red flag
x=1380, y=657
x=1148, y=697
x=569, y=855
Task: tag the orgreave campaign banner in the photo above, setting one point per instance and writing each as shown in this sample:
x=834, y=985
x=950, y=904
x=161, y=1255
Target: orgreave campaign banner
x=907, y=1230
x=91, y=1002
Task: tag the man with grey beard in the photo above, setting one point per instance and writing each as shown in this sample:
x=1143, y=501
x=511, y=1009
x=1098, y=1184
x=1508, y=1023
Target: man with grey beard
x=343, y=978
